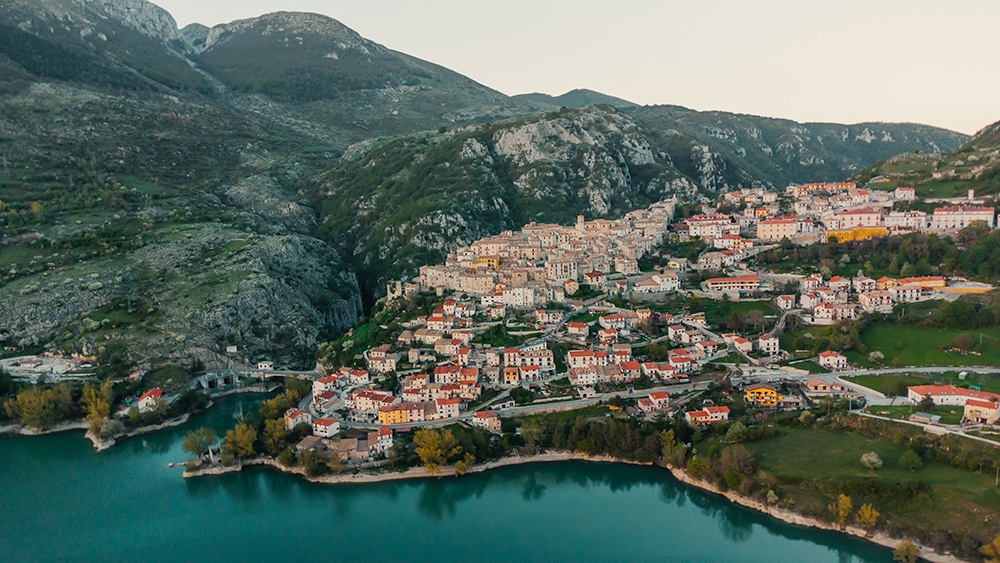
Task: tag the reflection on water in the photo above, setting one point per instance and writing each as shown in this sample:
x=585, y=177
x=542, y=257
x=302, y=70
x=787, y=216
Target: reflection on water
x=544, y=512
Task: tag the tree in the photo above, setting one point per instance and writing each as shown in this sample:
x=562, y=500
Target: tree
x=737, y=432
x=867, y=517
x=697, y=467
x=532, y=432
x=6, y=381
x=41, y=408
x=240, y=440
x=927, y=403
x=199, y=442
x=755, y=318
x=910, y=460
x=672, y=450
x=312, y=463
x=273, y=436
x=991, y=551
x=906, y=552
x=964, y=342
x=97, y=405
x=737, y=457
x=436, y=447
x=463, y=464
x=871, y=461
x=772, y=497
x=807, y=418
x=841, y=509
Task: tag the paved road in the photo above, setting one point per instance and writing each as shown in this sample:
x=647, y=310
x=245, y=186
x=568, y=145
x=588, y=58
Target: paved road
x=931, y=427
x=871, y=397
x=525, y=410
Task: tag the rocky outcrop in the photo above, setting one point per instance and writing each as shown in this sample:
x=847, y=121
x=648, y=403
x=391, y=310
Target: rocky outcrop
x=462, y=185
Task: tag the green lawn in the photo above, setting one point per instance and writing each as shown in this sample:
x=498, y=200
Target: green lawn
x=170, y=378
x=812, y=466
x=923, y=346
x=890, y=385
x=717, y=311
x=949, y=414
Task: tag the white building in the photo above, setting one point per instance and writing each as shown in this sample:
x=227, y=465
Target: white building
x=961, y=216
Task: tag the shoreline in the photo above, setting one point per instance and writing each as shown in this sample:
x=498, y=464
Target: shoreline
x=784, y=515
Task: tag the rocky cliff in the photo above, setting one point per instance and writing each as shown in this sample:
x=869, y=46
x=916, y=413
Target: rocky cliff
x=413, y=200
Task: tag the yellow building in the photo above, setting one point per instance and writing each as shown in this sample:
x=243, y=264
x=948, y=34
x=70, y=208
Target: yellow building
x=857, y=233
x=762, y=394
x=488, y=262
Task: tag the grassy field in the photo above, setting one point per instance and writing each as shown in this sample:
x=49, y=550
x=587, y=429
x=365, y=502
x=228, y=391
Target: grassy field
x=949, y=414
x=890, y=385
x=718, y=311
x=924, y=346
x=812, y=466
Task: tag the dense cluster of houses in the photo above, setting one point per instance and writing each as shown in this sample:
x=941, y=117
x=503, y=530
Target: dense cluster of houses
x=840, y=298
x=544, y=262
x=821, y=210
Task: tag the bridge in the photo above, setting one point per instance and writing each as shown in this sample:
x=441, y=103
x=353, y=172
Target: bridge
x=220, y=379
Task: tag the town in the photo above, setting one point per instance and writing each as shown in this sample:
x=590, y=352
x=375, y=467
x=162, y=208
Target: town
x=558, y=317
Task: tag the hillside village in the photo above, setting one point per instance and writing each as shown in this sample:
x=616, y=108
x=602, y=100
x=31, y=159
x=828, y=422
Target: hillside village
x=561, y=316
x=558, y=314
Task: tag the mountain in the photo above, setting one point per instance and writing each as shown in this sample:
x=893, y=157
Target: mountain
x=975, y=165
x=411, y=201
x=116, y=45
x=731, y=151
x=252, y=184
x=579, y=98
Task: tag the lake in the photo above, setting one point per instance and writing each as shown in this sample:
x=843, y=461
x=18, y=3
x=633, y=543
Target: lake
x=61, y=501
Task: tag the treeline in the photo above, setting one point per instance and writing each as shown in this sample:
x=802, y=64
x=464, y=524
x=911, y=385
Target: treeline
x=915, y=254
x=845, y=335
x=963, y=313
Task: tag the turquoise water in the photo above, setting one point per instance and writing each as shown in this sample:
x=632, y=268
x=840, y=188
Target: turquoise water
x=60, y=501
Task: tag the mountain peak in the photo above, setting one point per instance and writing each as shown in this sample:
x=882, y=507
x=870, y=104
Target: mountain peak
x=577, y=98
x=300, y=23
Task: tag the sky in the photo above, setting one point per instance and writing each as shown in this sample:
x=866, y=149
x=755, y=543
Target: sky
x=842, y=61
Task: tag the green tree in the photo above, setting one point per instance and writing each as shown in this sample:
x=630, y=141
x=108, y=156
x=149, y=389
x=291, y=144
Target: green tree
x=673, y=451
x=97, y=405
x=737, y=432
x=199, y=442
x=287, y=457
x=841, y=509
x=905, y=552
x=964, y=342
x=867, y=517
x=910, y=460
x=6, y=383
x=273, y=436
x=697, y=467
x=240, y=440
x=112, y=360
x=532, y=432
x=927, y=404
x=312, y=463
x=436, y=448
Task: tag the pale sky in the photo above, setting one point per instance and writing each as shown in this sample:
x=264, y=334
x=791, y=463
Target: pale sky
x=844, y=61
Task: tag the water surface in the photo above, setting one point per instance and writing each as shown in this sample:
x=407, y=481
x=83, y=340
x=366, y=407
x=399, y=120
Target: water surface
x=60, y=501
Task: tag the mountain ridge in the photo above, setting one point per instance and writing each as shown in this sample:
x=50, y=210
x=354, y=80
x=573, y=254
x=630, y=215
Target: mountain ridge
x=128, y=140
